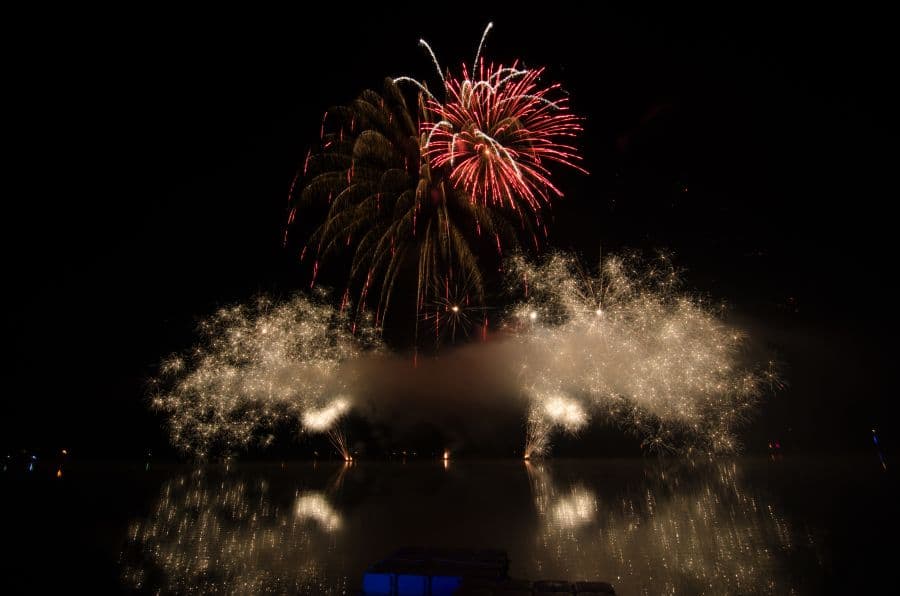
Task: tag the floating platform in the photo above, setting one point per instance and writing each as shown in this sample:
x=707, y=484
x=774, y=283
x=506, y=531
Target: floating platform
x=462, y=572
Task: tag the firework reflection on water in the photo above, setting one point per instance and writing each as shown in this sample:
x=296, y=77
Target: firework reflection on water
x=660, y=527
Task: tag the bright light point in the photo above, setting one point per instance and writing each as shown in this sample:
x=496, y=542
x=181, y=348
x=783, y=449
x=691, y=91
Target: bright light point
x=446, y=454
x=568, y=413
x=454, y=308
x=324, y=418
x=532, y=315
x=599, y=312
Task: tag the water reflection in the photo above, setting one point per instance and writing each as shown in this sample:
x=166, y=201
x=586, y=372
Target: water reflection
x=315, y=506
x=686, y=529
x=647, y=527
x=211, y=533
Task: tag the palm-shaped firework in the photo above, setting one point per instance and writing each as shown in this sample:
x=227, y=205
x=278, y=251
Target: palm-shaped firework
x=430, y=190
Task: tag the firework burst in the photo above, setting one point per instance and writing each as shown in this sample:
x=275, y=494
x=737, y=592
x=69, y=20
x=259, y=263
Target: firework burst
x=455, y=312
x=629, y=345
x=327, y=419
x=439, y=189
x=495, y=135
x=549, y=412
x=258, y=367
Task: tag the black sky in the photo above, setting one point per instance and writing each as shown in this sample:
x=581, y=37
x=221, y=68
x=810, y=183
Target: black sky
x=149, y=153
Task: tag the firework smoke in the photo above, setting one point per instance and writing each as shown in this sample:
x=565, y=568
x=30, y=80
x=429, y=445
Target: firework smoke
x=258, y=367
x=624, y=346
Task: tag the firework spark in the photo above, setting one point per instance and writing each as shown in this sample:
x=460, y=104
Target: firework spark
x=627, y=344
x=258, y=367
x=338, y=439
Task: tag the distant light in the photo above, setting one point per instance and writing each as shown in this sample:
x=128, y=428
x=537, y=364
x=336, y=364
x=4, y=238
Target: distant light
x=446, y=454
x=532, y=315
x=599, y=311
x=64, y=452
x=59, y=473
x=454, y=308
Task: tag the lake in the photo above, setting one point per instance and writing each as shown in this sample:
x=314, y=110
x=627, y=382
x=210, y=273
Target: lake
x=648, y=526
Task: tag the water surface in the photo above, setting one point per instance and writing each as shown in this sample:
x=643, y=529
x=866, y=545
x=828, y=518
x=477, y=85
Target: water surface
x=648, y=526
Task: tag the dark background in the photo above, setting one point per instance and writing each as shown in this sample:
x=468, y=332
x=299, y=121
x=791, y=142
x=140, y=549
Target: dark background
x=149, y=155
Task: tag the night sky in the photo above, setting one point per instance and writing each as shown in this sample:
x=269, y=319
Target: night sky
x=149, y=155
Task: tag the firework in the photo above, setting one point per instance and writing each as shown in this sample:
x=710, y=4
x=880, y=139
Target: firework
x=258, y=367
x=629, y=345
x=496, y=134
x=326, y=420
x=322, y=419
x=428, y=190
x=550, y=412
x=338, y=439
x=454, y=311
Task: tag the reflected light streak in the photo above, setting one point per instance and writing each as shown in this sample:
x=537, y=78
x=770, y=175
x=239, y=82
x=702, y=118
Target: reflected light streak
x=682, y=530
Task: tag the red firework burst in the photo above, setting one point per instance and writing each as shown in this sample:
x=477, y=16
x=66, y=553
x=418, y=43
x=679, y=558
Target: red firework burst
x=497, y=133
